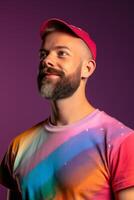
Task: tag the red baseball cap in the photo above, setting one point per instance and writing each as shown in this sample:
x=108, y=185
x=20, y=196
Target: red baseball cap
x=76, y=30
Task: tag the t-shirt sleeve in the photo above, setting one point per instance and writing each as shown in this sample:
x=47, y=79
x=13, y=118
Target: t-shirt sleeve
x=122, y=165
x=7, y=178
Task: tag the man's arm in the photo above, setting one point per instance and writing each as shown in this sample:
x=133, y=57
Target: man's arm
x=126, y=194
x=13, y=195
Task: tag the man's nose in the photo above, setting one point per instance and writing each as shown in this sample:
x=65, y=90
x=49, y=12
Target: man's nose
x=49, y=60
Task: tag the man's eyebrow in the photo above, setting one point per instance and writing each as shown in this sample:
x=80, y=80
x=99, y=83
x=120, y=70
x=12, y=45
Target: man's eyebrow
x=61, y=47
x=56, y=47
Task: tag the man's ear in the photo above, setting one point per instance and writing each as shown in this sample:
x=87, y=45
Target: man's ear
x=88, y=68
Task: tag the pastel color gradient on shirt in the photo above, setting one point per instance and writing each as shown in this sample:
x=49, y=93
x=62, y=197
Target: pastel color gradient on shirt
x=82, y=161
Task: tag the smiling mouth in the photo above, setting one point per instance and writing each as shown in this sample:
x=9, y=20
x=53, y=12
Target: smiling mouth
x=51, y=75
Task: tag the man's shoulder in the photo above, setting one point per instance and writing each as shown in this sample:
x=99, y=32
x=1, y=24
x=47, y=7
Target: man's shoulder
x=28, y=135
x=108, y=121
x=114, y=129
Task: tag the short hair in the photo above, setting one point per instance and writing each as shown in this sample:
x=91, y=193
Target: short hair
x=58, y=27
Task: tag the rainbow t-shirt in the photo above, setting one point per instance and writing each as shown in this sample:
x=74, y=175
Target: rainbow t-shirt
x=87, y=160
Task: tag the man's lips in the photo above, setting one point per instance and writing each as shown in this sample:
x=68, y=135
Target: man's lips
x=51, y=75
x=48, y=72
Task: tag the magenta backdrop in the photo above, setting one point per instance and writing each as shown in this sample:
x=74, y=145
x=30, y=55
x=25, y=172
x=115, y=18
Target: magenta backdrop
x=111, y=24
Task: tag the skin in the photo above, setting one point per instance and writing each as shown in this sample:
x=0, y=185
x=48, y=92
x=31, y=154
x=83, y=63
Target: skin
x=74, y=54
x=126, y=194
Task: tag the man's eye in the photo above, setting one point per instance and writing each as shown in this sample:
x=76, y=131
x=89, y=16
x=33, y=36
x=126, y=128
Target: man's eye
x=62, y=53
x=42, y=55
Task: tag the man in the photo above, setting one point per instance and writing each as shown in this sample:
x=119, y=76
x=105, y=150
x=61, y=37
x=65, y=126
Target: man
x=79, y=152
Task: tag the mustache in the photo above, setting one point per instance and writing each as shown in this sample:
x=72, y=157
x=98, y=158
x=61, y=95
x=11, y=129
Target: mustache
x=44, y=70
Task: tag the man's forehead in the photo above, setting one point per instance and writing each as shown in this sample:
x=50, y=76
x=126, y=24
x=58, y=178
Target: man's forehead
x=55, y=24
x=61, y=39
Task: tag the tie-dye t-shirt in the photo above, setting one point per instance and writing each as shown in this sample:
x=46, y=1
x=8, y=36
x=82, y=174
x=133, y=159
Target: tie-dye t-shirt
x=87, y=160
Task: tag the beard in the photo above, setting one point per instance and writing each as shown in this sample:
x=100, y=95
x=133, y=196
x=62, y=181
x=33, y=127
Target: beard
x=60, y=87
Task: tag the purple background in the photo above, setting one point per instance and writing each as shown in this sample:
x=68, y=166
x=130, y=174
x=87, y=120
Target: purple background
x=111, y=25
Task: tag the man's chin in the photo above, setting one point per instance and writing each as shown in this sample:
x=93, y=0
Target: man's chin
x=47, y=91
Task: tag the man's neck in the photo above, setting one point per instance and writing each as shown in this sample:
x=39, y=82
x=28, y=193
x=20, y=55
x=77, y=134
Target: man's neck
x=70, y=110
